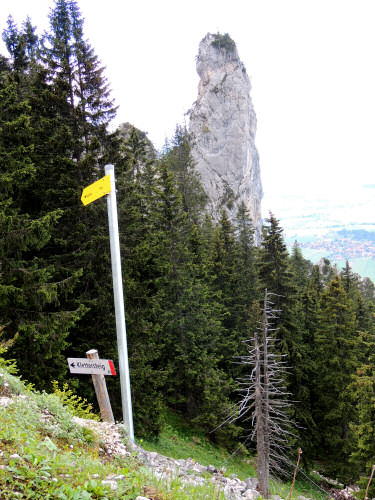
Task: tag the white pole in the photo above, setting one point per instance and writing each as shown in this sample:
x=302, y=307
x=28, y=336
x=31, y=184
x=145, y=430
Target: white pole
x=119, y=304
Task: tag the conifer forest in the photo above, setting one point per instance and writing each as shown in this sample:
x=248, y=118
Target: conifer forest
x=194, y=287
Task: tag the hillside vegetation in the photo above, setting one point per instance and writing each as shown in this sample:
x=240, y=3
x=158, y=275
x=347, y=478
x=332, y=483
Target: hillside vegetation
x=194, y=287
x=46, y=454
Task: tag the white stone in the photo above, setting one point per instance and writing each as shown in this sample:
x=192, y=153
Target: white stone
x=111, y=483
x=121, y=477
x=250, y=494
x=251, y=483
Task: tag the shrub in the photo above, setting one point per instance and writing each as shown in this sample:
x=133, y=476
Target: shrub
x=77, y=405
x=223, y=42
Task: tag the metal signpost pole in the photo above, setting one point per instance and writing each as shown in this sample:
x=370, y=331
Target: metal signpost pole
x=119, y=304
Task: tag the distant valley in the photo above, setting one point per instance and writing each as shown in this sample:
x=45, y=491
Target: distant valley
x=338, y=227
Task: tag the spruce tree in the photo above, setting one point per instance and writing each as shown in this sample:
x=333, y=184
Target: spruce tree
x=274, y=267
x=80, y=146
x=137, y=184
x=30, y=288
x=22, y=44
x=308, y=313
x=362, y=394
x=223, y=258
x=179, y=161
x=69, y=111
x=246, y=290
x=363, y=307
x=275, y=273
x=336, y=357
x=300, y=267
x=246, y=264
x=192, y=330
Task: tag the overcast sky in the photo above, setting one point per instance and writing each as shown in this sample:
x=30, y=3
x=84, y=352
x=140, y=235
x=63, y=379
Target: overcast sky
x=311, y=64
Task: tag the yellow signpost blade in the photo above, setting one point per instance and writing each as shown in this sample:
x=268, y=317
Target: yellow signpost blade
x=96, y=190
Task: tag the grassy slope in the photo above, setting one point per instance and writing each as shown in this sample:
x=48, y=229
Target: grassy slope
x=180, y=440
x=44, y=455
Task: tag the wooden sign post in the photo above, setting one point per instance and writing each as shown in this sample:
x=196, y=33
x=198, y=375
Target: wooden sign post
x=97, y=368
x=101, y=391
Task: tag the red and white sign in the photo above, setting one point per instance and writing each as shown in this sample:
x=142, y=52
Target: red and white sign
x=91, y=366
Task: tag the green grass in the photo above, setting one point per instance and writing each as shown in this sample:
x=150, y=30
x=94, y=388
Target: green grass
x=181, y=440
x=44, y=455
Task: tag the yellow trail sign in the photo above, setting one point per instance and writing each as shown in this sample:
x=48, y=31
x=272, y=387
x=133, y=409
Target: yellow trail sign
x=96, y=190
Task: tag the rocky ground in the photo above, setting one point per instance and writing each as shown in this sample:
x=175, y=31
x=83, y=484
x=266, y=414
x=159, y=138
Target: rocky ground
x=166, y=468
x=188, y=471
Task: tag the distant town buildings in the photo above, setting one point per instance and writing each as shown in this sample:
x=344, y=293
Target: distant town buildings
x=343, y=248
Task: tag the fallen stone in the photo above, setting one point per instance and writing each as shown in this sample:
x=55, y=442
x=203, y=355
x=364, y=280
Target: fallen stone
x=211, y=468
x=250, y=494
x=251, y=483
x=111, y=483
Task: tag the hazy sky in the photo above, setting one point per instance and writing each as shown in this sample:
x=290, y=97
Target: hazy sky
x=311, y=64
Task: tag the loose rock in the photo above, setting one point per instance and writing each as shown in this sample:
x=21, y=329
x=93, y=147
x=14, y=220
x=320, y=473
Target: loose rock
x=166, y=468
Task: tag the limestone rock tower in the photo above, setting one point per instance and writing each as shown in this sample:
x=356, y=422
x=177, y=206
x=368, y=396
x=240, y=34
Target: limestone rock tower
x=223, y=126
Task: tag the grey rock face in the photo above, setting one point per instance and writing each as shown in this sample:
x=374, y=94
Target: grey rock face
x=223, y=126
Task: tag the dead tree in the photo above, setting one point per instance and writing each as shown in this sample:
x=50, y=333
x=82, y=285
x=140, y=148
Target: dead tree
x=264, y=399
x=261, y=386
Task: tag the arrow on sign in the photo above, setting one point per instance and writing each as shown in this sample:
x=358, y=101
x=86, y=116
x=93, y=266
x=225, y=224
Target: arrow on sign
x=96, y=190
x=91, y=366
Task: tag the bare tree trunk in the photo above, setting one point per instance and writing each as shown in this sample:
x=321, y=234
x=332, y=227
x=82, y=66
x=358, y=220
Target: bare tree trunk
x=265, y=402
x=259, y=422
x=265, y=398
x=261, y=405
